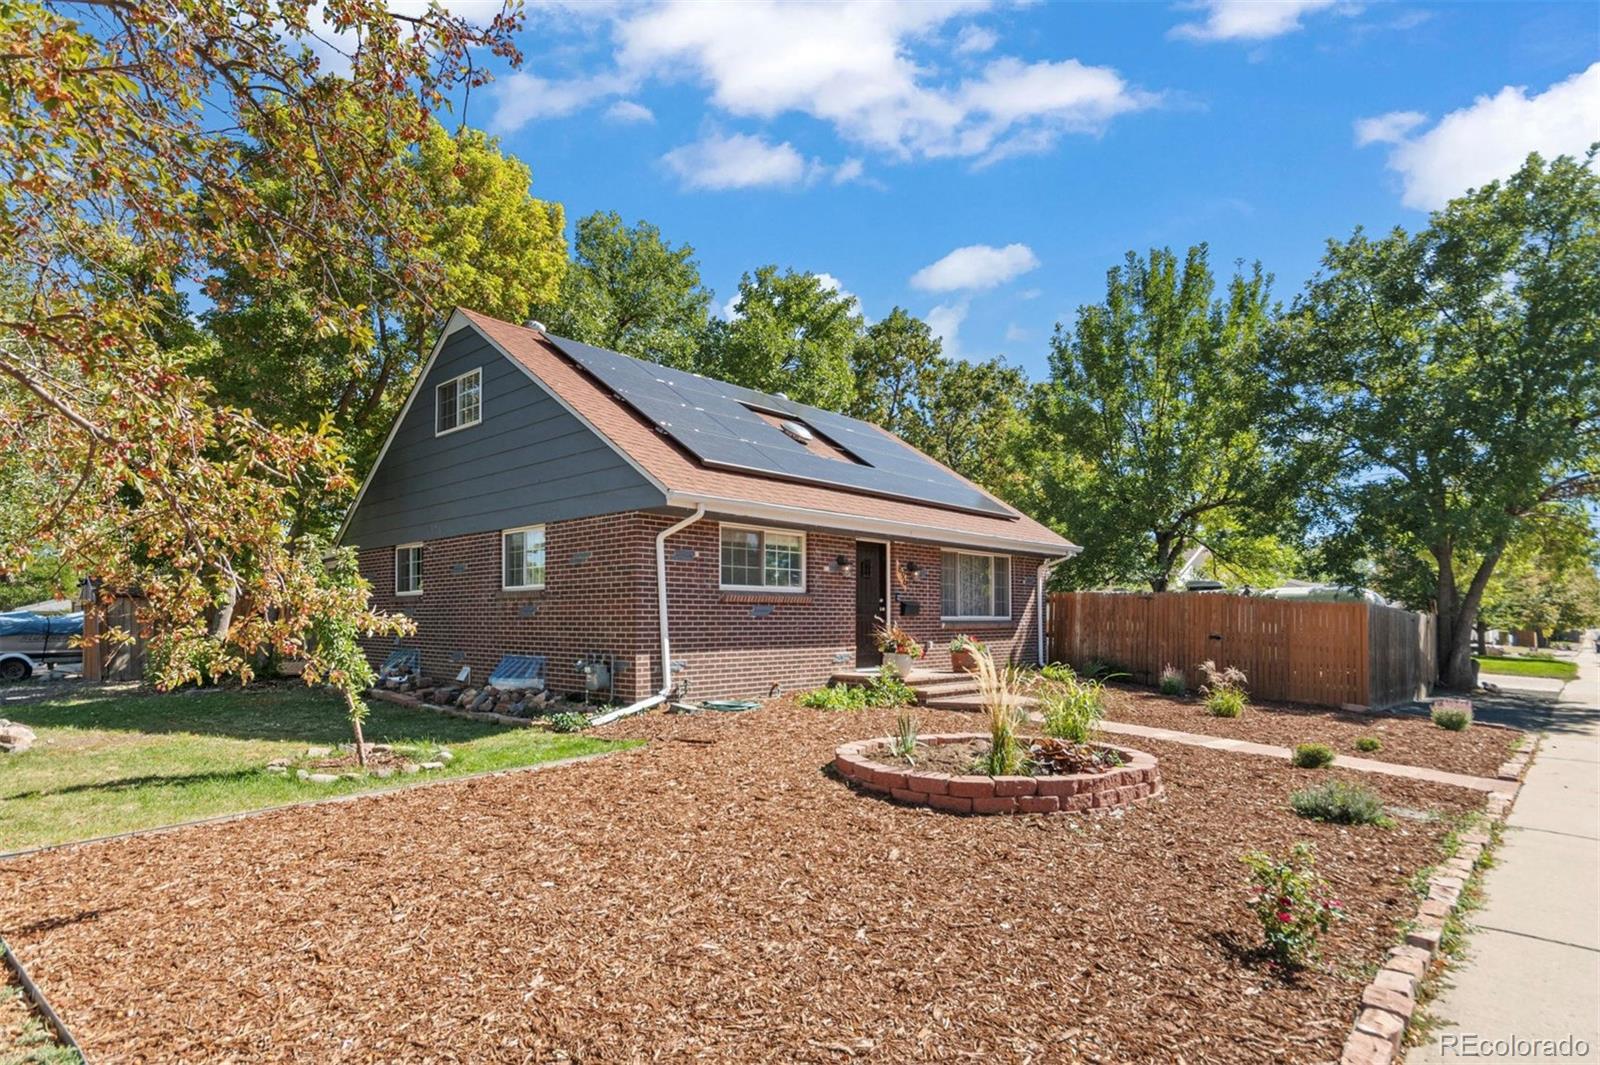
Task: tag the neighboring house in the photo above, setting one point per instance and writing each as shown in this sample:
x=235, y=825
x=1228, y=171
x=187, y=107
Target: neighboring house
x=541, y=496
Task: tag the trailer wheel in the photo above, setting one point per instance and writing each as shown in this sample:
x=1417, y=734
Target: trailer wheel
x=13, y=670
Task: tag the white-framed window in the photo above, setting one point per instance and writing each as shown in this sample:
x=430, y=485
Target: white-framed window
x=762, y=560
x=408, y=569
x=458, y=403
x=522, y=558
x=975, y=587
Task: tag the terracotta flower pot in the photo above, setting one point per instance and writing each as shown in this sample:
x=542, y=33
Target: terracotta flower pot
x=963, y=661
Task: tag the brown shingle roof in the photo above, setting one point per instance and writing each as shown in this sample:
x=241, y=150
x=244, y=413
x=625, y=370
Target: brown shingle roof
x=680, y=474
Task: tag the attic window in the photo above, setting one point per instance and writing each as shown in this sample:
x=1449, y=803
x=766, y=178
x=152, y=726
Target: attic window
x=806, y=436
x=458, y=403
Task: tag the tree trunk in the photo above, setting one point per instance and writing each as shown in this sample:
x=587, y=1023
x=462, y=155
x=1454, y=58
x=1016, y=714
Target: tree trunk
x=1458, y=618
x=355, y=727
x=1483, y=637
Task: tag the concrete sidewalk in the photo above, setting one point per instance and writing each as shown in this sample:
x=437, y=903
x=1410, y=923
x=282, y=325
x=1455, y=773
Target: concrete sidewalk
x=1533, y=972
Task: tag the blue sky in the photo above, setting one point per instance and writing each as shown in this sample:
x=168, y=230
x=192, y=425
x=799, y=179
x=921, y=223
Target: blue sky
x=870, y=143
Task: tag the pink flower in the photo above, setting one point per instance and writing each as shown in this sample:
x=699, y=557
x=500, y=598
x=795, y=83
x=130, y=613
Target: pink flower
x=1284, y=917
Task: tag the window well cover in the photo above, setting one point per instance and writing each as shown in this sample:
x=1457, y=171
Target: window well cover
x=714, y=421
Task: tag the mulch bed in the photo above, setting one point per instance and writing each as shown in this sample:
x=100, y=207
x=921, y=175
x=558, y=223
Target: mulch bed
x=1407, y=739
x=715, y=896
x=959, y=759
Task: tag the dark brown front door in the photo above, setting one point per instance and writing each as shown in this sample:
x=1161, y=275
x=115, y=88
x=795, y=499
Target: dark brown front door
x=871, y=609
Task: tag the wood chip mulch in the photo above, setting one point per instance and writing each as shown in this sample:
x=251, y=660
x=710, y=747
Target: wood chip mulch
x=1408, y=739
x=714, y=896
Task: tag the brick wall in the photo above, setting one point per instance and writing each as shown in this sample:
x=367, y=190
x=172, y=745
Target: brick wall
x=730, y=643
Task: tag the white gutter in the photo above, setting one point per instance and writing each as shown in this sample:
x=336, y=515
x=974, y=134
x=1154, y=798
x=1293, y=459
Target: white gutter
x=1040, y=579
x=887, y=527
x=661, y=609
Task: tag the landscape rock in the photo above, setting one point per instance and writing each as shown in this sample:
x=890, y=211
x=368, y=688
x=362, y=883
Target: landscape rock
x=284, y=770
x=321, y=778
x=410, y=767
x=432, y=765
x=15, y=738
x=444, y=755
x=318, y=752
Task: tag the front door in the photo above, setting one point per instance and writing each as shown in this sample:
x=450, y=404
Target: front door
x=871, y=607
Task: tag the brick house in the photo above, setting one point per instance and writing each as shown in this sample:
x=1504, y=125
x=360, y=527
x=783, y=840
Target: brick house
x=540, y=496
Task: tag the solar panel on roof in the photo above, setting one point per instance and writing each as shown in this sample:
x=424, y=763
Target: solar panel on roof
x=713, y=421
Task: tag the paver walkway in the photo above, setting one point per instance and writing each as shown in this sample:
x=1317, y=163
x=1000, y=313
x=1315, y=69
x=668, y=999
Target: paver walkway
x=1364, y=765
x=1534, y=968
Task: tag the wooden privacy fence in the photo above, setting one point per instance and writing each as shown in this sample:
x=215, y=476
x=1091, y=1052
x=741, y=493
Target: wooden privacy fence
x=1335, y=654
x=107, y=659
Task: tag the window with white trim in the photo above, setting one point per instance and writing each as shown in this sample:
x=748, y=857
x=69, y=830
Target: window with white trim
x=755, y=559
x=975, y=587
x=522, y=558
x=458, y=402
x=408, y=569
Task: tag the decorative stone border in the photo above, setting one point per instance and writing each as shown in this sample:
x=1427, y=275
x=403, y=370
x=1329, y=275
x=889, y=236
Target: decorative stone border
x=1390, y=1000
x=401, y=699
x=1136, y=780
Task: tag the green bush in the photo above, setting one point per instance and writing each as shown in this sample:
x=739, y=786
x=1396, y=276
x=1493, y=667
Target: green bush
x=1225, y=702
x=1369, y=744
x=1453, y=718
x=887, y=689
x=1291, y=902
x=1172, y=681
x=1313, y=755
x=1058, y=671
x=567, y=721
x=1072, y=709
x=836, y=697
x=1340, y=803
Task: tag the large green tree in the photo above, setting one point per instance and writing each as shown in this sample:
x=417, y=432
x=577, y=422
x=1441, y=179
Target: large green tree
x=1149, y=434
x=631, y=291
x=895, y=363
x=791, y=333
x=133, y=134
x=474, y=226
x=1454, y=374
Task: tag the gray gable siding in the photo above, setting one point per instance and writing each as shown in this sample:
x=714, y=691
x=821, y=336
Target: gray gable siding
x=527, y=461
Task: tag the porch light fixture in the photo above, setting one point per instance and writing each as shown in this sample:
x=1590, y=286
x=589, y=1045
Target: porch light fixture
x=842, y=564
x=913, y=569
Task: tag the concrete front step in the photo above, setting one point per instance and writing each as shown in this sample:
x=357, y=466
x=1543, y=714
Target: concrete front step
x=945, y=688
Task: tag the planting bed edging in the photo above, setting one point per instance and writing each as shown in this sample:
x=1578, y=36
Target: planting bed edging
x=1389, y=1002
x=1138, y=779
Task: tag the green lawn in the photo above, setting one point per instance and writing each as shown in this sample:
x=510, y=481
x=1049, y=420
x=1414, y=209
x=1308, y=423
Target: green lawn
x=110, y=762
x=1526, y=667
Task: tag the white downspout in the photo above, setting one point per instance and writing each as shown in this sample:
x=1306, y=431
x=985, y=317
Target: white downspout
x=1039, y=581
x=661, y=610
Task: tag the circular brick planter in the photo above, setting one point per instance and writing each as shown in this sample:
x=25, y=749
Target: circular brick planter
x=1139, y=778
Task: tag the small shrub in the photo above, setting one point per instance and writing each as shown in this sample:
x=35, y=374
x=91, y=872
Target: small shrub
x=1072, y=709
x=1369, y=744
x=1340, y=804
x=904, y=742
x=1224, y=689
x=1101, y=670
x=1057, y=671
x=1172, y=681
x=567, y=721
x=963, y=642
x=835, y=697
x=1291, y=902
x=887, y=689
x=1454, y=715
x=1313, y=755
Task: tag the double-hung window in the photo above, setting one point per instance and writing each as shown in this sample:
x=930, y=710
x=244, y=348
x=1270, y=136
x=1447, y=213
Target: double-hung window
x=408, y=569
x=522, y=558
x=458, y=403
x=763, y=559
x=975, y=587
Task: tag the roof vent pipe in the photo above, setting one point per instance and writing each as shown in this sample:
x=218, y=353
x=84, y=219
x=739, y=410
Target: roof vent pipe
x=534, y=323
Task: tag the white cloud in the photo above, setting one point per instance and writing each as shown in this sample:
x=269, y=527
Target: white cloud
x=850, y=66
x=944, y=322
x=1489, y=140
x=1016, y=334
x=974, y=39
x=1247, y=20
x=848, y=171
x=833, y=284
x=977, y=266
x=1388, y=128
x=627, y=111
x=521, y=98
x=739, y=161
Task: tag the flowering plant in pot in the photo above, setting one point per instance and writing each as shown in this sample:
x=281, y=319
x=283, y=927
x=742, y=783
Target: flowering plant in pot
x=899, y=646
x=964, y=652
